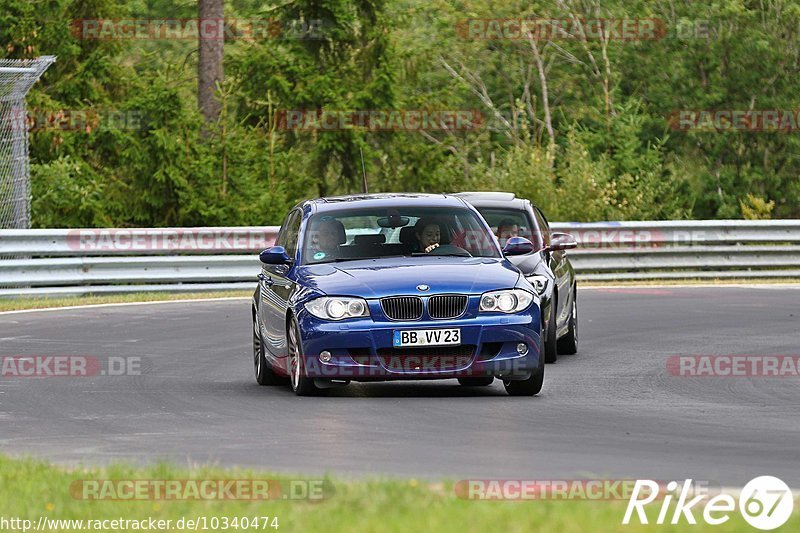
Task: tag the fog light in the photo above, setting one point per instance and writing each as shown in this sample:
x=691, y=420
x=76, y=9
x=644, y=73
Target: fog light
x=325, y=356
x=522, y=348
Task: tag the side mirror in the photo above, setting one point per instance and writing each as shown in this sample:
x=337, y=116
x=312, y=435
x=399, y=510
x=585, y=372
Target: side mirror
x=518, y=246
x=275, y=255
x=561, y=241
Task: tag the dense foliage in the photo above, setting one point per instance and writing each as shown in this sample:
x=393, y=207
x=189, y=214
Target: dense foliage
x=580, y=127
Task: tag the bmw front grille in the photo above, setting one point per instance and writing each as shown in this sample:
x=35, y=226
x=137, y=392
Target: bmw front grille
x=447, y=306
x=411, y=307
x=402, y=307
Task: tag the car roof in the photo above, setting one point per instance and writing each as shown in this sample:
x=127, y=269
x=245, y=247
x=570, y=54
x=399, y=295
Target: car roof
x=495, y=200
x=378, y=200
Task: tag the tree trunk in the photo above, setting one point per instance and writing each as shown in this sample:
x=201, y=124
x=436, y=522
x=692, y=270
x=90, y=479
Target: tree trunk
x=548, y=121
x=209, y=68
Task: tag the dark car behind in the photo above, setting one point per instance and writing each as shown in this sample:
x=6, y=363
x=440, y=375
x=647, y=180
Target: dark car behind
x=547, y=266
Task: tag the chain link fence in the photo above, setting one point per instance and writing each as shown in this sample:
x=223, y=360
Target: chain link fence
x=17, y=76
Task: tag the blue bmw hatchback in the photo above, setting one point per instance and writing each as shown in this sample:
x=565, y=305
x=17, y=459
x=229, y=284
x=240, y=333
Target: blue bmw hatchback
x=394, y=286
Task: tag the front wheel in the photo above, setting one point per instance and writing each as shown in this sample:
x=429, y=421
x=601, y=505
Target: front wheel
x=568, y=344
x=302, y=385
x=528, y=387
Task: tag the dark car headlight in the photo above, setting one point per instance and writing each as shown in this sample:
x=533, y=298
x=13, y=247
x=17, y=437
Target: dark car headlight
x=539, y=283
x=505, y=301
x=337, y=308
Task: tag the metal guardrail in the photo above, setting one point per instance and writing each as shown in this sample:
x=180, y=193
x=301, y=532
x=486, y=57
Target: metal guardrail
x=58, y=262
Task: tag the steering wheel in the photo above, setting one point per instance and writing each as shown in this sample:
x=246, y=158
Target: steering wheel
x=450, y=249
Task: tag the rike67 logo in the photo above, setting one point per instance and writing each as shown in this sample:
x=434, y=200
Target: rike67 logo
x=765, y=503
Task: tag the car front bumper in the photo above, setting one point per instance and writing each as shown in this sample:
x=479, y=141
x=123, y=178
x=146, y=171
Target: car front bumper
x=362, y=349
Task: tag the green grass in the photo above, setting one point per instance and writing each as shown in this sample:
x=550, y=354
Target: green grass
x=32, y=488
x=14, y=304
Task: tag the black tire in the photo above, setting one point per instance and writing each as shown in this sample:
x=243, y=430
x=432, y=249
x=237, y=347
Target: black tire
x=568, y=344
x=528, y=387
x=550, y=343
x=265, y=376
x=301, y=384
x=476, y=381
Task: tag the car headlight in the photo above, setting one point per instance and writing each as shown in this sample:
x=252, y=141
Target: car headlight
x=539, y=283
x=506, y=301
x=336, y=308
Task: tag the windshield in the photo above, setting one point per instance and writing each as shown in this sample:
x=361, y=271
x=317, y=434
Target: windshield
x=388, y=232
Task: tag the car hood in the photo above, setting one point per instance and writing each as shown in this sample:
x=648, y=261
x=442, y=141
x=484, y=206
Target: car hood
x=377, y=278
x=527, y=263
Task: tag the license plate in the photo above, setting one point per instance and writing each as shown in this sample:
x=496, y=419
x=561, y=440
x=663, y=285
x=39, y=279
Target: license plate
x=427, y=337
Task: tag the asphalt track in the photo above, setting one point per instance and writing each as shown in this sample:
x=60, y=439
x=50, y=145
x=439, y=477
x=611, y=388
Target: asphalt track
x=613, y=410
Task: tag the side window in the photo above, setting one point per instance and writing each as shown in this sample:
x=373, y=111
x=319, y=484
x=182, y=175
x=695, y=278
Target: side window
x=544, y=227
x=281, y=240
x=289, y=233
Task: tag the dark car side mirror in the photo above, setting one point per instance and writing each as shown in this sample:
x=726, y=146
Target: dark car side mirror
x=518, y=246
x=561, y=241
x=275, y=255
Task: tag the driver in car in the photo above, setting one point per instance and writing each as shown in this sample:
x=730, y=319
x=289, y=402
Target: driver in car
x=327, y=239
x=505, y=230
x=428, y=234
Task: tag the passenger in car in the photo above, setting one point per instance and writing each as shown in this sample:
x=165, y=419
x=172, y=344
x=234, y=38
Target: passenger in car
x=428, y=233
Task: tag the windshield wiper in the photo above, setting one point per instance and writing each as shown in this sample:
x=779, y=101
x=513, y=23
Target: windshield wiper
x=340, y=259
x=449, y=254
